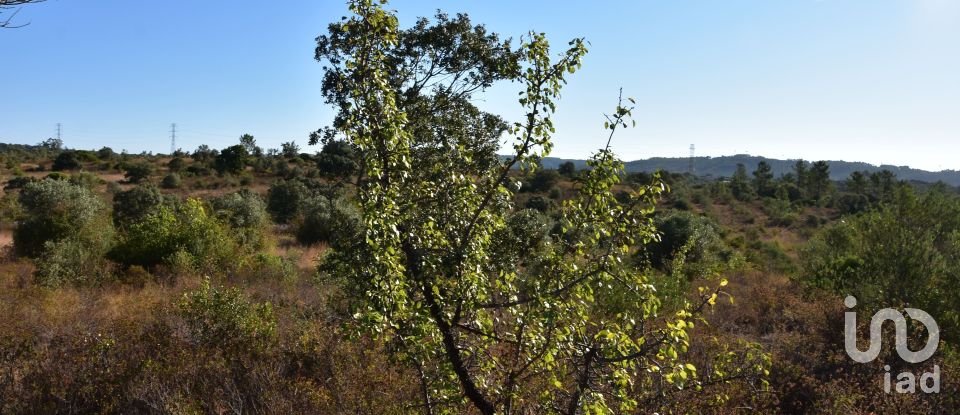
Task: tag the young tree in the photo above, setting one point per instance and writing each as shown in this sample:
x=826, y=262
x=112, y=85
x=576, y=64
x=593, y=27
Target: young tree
x=857, y=183
x=560, y=324
x=567, y=168
x=740, y=184
x=763, y=179
x=800, y=175
x=818, y=180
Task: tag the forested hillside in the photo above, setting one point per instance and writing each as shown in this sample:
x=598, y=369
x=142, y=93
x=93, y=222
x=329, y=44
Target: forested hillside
x=725, y=166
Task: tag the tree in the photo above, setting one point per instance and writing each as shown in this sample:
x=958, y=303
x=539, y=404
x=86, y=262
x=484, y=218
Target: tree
x=567, y=168
x=763, y=179
x=904, y=252
x=290, y=149
x=542, y=181
x=428, y=270
x=800, y=175
x=204, y=154
x=818, y=180
x=740, y=184
x=857, y=183
x=54, y=144
x=5, y=5
x=435, y=67
x=232, y=160
x=250, y=144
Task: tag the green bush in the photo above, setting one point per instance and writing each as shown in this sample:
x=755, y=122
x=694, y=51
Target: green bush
x=689, y=244
x=224, y=318
x=336, y=159
x=176, y=164
x=232, y=160
x=187, y=230
x=138, y=172
x=86, y=179
x=66, y=228
x=540, y=203
x=326, y=220
x=171, y=181
x=285, y=199
x=132, y=205
x=245, y=213
x=67, y=160
x=541, y=181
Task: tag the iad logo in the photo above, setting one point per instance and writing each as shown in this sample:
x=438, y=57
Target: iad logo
x=906, y=381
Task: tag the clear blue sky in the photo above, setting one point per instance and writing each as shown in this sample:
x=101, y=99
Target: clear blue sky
x=866, y=80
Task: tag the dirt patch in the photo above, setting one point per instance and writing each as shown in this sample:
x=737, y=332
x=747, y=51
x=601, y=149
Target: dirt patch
x=6, y=238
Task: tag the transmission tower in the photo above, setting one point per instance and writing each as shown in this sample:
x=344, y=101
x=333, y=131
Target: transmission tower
x=173, y=138
x=58, y=131
x=690, y=168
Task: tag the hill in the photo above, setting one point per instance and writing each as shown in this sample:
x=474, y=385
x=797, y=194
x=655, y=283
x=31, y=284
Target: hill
x=724, y=166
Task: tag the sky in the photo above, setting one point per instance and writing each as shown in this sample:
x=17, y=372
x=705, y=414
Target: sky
x=858, y=80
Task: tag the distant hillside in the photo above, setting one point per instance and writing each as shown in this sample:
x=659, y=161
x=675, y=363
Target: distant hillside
x=725, y=166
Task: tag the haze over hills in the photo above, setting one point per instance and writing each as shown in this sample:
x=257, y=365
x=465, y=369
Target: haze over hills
x=724, y=166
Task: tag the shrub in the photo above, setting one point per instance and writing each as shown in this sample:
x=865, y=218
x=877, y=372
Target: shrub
x=105, y=153
x=67, y=160
x=187, y=228
x=540, y=203
x=138, y=172
x=19, y=182
x=133, y=205
x=232, y=160
x=245, y=213
x=75, y=260
x=224, y=318
x=326, y=220
x=336, y=159
x=67, y=229
x=274, y=268
x=57, y=210
x=86, y=179
x=542, y=181
x=171, y=181
x=285, y=198
x=176, y=164
x=694, y=239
